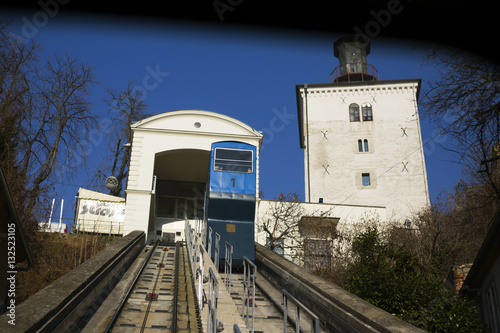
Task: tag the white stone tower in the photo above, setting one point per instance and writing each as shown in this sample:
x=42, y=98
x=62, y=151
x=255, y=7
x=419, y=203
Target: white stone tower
x=361, y=137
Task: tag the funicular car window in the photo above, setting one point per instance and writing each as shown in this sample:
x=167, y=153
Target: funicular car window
x=233, y=160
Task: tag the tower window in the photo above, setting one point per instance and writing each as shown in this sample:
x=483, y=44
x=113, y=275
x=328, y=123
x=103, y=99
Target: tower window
x=354, y=112
x=363, y=146
x=367, y=112
x=365, y=179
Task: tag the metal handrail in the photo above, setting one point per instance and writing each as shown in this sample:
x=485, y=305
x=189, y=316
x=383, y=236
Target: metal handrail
x=353, y=70
x=315, y=319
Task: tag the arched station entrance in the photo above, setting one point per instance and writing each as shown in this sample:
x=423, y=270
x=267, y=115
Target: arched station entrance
x=181, y=177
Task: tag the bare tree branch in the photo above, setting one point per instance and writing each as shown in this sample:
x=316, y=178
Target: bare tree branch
x=125, y=107
x=464, y=101
x=59, y=112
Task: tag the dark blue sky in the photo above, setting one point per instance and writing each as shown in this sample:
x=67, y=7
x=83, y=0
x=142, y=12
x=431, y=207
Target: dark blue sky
x=246, y=74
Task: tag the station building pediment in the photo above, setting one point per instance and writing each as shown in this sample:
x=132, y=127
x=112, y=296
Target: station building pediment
x=196, y=122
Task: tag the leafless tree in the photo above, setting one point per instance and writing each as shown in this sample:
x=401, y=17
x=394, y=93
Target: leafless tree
x=464, y=101
x=447, y=234
x=281, y=221
x=17, y=61
x=125, y=107
x=57, y=118
x=296, y=233
x=16, y=70
x=44, y=114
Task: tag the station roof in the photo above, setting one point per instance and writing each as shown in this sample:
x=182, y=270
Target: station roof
x=197, y=122
x=93, y=195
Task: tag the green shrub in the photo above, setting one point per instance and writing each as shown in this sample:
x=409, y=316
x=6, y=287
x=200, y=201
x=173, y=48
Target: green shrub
x=388, y=277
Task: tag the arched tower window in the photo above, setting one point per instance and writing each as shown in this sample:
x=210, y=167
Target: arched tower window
x=367, y=112
x=354, y=112
x=360, y=146
x=365, y=144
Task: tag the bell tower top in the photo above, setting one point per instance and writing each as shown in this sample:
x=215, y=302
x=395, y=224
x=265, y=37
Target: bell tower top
x=353, y=66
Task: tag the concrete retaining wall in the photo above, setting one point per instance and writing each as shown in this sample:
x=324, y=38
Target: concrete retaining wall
x=72, y=299
x=341, y=310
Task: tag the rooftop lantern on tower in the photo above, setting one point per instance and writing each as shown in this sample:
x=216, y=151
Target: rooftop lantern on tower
x=352, y=61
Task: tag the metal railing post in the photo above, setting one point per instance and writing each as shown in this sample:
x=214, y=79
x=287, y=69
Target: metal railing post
x=213, y=295
x=209, y=249
x=198, y=226
x=285, y=314
x=204, y=233
x=216, y=258
x=200, y=280
x=249, y=276
x=194, y=252
x=186, y=234
x=228, y=266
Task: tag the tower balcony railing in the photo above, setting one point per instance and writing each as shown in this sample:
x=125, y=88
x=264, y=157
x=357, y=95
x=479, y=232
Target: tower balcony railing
x=354, y=72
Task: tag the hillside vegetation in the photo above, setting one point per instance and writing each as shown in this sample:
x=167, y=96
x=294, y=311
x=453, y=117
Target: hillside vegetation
x=54, y=255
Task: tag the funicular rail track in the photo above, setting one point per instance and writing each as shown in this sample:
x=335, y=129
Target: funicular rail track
x=161, y=298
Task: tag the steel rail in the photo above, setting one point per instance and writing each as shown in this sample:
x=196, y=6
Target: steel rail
x=176, y=287
x=129, y=292
x=152, y=293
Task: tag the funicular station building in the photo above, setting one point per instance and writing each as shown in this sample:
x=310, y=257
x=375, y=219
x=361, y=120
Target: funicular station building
x=169, y=169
